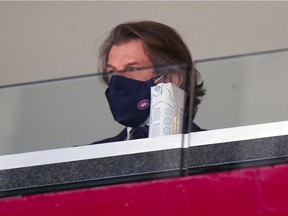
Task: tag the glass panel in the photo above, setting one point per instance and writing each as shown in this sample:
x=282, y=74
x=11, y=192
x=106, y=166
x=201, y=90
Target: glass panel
x=74, y=111
x=54, y=114
x=244, y=90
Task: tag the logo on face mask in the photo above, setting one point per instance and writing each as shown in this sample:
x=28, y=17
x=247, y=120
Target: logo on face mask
x=144, y=104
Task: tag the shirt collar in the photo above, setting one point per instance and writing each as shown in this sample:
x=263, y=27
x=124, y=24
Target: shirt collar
x=146, y=122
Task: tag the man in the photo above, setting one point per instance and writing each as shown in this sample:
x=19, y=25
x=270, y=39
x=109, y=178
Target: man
x=131, y=47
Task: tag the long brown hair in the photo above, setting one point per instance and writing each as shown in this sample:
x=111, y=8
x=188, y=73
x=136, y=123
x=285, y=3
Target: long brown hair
x=162, y=44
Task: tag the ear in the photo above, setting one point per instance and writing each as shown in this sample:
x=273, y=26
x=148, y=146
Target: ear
x=176, y=79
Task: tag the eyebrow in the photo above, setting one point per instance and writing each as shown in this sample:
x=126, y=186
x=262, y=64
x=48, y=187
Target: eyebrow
x=127, y=65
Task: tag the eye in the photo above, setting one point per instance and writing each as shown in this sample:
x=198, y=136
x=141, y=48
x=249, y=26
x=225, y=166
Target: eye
x=134, y=68
x=110, y=71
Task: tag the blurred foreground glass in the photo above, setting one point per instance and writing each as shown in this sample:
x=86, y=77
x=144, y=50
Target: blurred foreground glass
x=73, y=111
x=241, y=90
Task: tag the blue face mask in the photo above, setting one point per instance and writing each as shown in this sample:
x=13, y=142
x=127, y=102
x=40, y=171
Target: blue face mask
x=129, y=100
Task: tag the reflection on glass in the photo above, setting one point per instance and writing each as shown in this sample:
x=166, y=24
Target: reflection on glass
x=75, y=111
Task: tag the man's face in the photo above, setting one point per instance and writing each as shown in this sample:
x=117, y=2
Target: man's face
x=129, y=56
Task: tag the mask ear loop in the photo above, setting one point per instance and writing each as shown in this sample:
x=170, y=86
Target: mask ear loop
x=159, y=77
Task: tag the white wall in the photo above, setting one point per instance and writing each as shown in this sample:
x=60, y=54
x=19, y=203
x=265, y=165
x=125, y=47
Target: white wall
x=41, y=40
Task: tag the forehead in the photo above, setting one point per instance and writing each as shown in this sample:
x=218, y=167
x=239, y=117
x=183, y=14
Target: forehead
x=131, y=51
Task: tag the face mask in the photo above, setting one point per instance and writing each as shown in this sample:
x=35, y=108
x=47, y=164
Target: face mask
x=129, y=100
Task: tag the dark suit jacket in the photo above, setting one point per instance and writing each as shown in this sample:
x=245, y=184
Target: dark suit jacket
x=122, y=135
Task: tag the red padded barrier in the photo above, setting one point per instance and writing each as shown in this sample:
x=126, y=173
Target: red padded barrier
x=250, y=191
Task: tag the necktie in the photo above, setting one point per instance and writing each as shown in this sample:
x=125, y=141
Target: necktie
x=139, y=132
